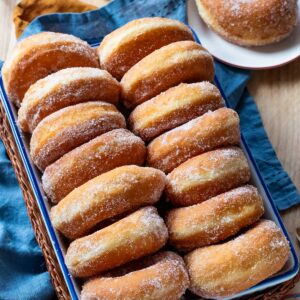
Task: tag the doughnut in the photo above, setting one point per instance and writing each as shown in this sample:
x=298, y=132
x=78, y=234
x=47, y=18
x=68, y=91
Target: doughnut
x=64, y=88
x=211, y=130
x=40, y=55
x=161, y=276
x=184, y=61
x=113, y=149
x=250, y=23
x=174, y=107
x=207, y=175
x=214, y=220
x=127, y=45
x=108, y=195
x=224, y=270
x=139, y=234
x=71, y=127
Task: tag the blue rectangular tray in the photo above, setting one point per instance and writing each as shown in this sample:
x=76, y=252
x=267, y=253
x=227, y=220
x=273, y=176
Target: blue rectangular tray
x=289, y=271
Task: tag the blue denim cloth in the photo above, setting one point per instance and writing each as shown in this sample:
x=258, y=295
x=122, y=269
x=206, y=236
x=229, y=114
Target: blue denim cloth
x=22, y=269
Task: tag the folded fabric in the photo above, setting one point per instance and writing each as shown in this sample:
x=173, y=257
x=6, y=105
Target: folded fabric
x=23, y=273
x=27, y=10
x=93, y=26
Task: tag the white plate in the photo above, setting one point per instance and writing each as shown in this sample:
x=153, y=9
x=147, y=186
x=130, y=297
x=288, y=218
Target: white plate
x=248, y=58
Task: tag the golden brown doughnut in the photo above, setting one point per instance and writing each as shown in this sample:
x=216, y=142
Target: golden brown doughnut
x=127, y=45
x=162, y=276
x=168, y=66
x=174, y=107
x=250, y=23
x=213, y=129
x=224, y=270
x=214, y=220
x=71, y=127
x=108, y=195
x=141, y=233
x=113, y=149
x=63, y=88
x=40, y=55
x=207, y=175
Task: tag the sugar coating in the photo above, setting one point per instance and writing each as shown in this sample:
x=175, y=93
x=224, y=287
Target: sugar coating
x=162, y=276
x=184, y=61
x=106, y=196
x=161, y=63
x=61, y=79
x=132, y=30
x=250, y=22
x=41, y=39
x=218, y=160
x=71, y=127
x=174, y=107
x=29, y=53
x=209, y=131
x=223, y=270
x=141, y=233
x=64, y=88
x=215, y=219
x=207, y=175
x=104, y=153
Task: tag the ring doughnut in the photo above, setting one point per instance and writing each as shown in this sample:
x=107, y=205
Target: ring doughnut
x=127, y=45
x=224, y=270
x=40, y=55
x=214, y=220
x=161, y=276
x=250, y=23
x=139, y=234
x=213, y=129
x=108, y=195
x=64, y=88
x=207, y=175
x=71, y=127
x=174, y=107
x=184, y=61
x=113, y=149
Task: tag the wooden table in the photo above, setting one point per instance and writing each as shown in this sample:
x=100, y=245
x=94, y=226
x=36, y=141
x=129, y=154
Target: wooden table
x=276, y=92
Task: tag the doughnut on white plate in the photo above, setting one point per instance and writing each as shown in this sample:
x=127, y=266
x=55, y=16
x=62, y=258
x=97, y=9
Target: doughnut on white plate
x=263, y=57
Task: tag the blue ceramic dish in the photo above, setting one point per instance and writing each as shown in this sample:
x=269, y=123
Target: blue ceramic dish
x=288, y=272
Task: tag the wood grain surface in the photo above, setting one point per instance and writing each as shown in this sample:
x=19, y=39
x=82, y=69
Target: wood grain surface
x=276, y=92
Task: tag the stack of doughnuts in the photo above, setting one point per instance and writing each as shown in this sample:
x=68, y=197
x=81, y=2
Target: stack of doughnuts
x=104, y=180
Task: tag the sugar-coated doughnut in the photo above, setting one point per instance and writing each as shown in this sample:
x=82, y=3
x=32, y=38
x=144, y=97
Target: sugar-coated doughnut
x=127, y=45
x=174, y=107
x=184, y=61
x=108, y=195
x=224, y=270
x=214, y=220
x=139, y=234
x=63, y=88
x=250, y=23
x=211, y=130
x=207, y=175
x=40, y=55
x=113, y=149
x=162, y=276
x=71, y=127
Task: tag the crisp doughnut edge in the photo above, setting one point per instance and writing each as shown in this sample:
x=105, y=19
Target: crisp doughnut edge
x=264, y=236
x=139, y=234
x=79, y=211
x=215, y=219
x=164, y=276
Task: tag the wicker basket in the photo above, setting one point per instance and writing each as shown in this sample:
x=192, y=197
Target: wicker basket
x=276, y=293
